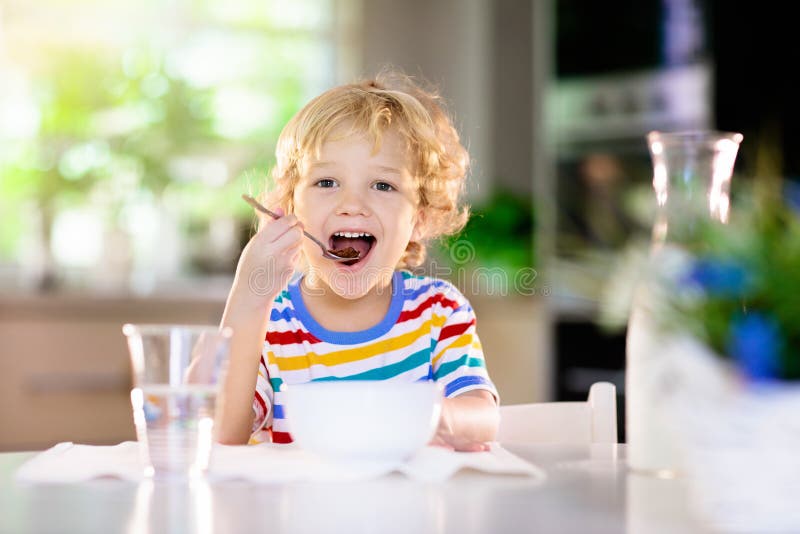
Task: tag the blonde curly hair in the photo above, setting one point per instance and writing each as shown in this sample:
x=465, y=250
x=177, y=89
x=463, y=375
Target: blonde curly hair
x=371, y=107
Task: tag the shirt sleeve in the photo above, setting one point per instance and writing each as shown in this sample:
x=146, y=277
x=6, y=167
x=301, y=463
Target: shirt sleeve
x=262, y=400
x=457, y=360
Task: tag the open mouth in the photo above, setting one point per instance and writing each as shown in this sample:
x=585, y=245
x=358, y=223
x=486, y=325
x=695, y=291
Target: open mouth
x=350, y=243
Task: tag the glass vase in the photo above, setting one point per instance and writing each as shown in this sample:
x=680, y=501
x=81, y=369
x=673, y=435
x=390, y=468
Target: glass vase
x=692, y=172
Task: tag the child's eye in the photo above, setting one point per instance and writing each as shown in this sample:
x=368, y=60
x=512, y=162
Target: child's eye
x=326, y=182
x=383, y=186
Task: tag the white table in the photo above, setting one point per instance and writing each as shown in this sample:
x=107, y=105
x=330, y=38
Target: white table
x=588, y=490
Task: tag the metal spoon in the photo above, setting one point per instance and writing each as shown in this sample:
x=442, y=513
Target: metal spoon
x=325, y=252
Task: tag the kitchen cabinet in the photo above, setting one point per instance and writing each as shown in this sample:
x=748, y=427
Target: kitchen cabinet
x=64, y=368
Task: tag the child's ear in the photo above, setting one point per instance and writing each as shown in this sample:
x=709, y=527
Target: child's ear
x=419, y=226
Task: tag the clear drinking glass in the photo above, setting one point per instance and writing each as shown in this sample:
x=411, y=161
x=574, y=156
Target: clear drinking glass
x=177, y=371
x=691, y=177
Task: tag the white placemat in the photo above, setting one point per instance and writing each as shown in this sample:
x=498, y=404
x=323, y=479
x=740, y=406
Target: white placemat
x=266, y=463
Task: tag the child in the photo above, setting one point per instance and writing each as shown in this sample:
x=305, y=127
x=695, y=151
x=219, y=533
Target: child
x=376, y=166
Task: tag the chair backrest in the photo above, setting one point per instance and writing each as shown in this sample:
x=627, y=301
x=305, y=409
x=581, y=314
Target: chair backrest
x=593, y=421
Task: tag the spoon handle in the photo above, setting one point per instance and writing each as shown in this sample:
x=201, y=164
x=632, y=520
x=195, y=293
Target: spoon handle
x=257, y=205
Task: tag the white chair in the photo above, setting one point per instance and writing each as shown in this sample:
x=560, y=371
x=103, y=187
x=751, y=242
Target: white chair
x=593, y=421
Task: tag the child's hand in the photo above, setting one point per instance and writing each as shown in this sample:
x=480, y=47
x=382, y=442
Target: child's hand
x=269, y=259
x=457, y=443
x=447, y=437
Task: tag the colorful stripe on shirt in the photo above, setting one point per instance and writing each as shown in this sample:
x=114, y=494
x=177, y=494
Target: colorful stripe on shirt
x=429, y=333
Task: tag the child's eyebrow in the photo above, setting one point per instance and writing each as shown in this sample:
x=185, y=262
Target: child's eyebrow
x=379, y=168
x=385, y=169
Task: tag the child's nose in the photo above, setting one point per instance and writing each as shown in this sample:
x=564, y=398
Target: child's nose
x=352, y=203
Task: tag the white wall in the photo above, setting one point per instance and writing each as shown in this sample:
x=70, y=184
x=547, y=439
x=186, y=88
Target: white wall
x=447, y=42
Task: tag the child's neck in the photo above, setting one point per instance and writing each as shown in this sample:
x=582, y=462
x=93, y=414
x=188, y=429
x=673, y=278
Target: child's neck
x=339, y=314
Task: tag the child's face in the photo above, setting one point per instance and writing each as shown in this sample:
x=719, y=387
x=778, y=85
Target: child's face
x=348, y=189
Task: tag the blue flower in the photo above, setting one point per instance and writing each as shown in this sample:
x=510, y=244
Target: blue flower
x=791, y=195
x=755, y=344
x=719, y=277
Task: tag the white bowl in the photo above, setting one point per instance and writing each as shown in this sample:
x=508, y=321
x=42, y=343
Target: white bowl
x=363, y=421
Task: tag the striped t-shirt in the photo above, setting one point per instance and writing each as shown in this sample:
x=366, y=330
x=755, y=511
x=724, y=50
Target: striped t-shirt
x=427, y=334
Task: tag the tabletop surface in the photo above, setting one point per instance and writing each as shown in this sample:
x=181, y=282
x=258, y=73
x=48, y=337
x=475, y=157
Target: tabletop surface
x=588, y=489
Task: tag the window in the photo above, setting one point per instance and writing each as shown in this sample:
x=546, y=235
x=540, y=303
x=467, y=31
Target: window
x=128, y=130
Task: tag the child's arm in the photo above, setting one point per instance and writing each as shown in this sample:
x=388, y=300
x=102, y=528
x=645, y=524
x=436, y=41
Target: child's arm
x=468, y=421
x=264, y=269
